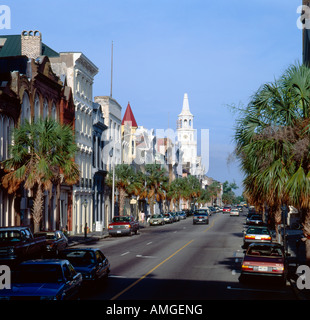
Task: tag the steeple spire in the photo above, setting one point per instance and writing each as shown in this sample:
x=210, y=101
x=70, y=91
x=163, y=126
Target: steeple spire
x=185, y=109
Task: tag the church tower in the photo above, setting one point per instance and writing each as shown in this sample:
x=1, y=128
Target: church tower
x=187, y=137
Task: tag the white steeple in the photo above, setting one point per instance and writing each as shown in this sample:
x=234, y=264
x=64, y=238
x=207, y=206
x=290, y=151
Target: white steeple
x=185, y=110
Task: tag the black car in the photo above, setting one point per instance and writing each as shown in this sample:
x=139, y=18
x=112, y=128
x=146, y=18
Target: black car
x=50, y=279
x=56, y=241
x=90, y=262
x=255, y=219
x=201, y=217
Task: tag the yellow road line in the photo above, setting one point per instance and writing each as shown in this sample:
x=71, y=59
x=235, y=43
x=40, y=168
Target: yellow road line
x=133, y=284
x=211, y=225
x=144, y=276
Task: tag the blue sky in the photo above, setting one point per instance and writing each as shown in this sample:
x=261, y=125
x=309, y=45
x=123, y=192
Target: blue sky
x=219, y=52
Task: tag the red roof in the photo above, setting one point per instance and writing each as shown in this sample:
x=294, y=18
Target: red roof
x=129, y=117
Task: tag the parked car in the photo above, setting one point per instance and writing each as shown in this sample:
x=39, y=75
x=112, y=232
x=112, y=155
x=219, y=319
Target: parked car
x=264, y=259
x=51, y=279
x=226, y=209
x=182, y=215
x=175, y=216
x=157, y=219
x=18, y=244
x=123, y=225
x=168, y=217
x=201, y=217
x=212, y=210
x=234, y=212
x=90, y=262
x=256, y=234
x=255, y=219
x=56, y=241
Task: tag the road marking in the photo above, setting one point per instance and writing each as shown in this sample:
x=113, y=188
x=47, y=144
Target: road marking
x=141, y=256
x=114, y=276
x=149, y=272
x=152, y=270
x=211, y=225
x=123, y=254
x=149, y=243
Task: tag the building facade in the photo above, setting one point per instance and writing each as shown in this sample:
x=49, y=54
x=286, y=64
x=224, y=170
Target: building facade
x=112, y=150
x=80, y=72
x=30, y=90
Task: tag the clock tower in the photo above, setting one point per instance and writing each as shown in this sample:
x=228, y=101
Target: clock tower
x=187, y=137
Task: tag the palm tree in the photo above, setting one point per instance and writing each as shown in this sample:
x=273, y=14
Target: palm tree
x=156, y=179
x=124, y=174
x=273, y=138
x=42, y=154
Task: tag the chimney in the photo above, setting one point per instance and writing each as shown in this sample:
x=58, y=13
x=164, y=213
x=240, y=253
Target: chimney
x=31, y=42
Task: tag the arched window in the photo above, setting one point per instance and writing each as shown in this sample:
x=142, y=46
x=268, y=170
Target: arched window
x=25, y=112
x=36, y=108
x=54, y=112
x=45, y=109
x=190, y=123
x=185, y=123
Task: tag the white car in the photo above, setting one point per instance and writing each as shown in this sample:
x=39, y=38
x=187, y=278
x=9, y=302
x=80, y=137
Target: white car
x=234, y=212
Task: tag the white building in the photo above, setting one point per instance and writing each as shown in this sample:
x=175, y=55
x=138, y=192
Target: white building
x=112, y=152
x=80, y=73
x=187, y=137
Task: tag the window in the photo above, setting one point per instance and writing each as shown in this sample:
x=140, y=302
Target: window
x=25, y=113
x=36, y=108
x=45, y=109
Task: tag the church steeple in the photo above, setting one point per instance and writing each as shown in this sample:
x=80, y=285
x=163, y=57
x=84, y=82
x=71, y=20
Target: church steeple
x=185, y=110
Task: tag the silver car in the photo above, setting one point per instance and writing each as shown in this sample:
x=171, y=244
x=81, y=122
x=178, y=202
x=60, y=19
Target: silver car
x=157, y=219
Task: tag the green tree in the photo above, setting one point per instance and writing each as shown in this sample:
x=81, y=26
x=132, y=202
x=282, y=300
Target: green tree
x=42, y=154
x=124, y=175
x=273, y=138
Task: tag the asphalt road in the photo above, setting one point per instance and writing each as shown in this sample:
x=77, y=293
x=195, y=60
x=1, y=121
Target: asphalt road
x=182, y=261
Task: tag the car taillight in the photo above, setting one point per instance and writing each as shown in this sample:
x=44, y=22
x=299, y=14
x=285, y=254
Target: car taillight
x=110, y=227
x=246, y=267
x=278, y=269
x=266, y=238
x=249, y=237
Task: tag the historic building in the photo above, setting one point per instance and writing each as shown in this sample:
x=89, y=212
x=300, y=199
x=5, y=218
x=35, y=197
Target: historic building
x=29, y=90
x=112, y=151
x=80, y=72
x=99, y=166
x=187, y=137
x=128, y=130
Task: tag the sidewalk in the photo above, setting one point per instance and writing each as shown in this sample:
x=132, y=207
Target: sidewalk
x=92, y=237
x=297, y=250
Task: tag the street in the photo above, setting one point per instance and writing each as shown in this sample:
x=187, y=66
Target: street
x=182, y=261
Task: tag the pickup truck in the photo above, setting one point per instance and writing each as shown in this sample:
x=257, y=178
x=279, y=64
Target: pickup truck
x=18, y=244
x=123, y=225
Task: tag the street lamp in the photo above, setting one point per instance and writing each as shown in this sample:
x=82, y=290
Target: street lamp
x=85, y=202
x=113, y=180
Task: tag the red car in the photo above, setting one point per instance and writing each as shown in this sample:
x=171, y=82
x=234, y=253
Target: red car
x=123, y=225
x=265, y=259
x=226, y=209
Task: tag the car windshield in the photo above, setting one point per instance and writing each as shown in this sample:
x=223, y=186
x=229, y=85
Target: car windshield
x=10, y=235
x=201, y=214
x=79, y=257
x=38, y=273
x=121, y=219
x=267, y=251
x=257, y=231
x=156, y=216
x=256, y=217
x=49, y=235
